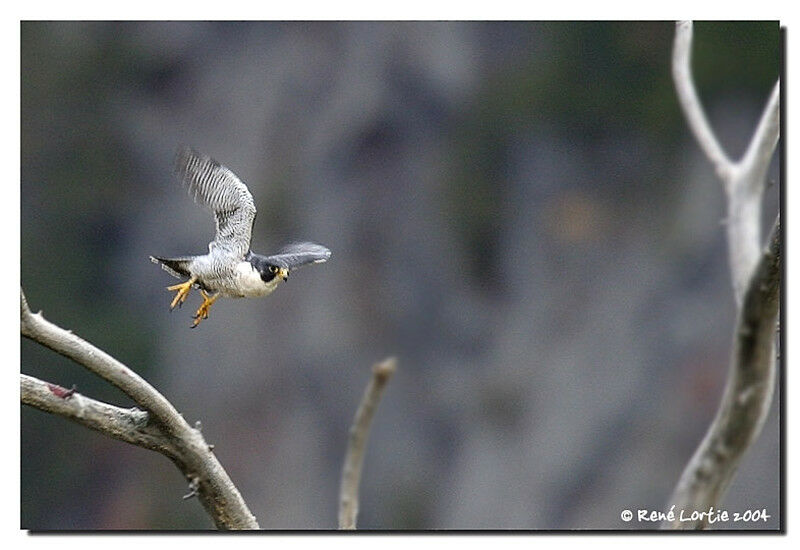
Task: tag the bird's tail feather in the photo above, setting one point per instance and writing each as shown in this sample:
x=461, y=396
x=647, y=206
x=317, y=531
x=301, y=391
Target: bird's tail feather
x=177, y=267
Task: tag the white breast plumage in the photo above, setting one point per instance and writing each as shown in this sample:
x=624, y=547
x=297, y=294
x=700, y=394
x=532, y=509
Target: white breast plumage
x=249, y=283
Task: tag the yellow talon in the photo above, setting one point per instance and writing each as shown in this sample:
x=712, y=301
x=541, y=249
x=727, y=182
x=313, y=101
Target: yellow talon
x=183, y=291
x=202, y=311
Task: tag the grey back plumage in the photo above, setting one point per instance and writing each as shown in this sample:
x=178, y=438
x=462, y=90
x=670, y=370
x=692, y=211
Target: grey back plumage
x=225, y=195
x=299, y=254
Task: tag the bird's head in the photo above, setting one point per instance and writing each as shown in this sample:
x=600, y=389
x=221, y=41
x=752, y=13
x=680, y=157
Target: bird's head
x=270, y=271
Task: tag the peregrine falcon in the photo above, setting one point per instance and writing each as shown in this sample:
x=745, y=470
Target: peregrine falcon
x=230, y=268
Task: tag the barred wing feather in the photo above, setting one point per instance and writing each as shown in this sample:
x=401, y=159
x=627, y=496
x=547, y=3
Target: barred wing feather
x=225, y=195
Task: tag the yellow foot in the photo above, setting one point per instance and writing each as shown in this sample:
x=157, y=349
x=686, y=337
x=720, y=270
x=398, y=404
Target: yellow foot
x=183, y=291
x=202, y=311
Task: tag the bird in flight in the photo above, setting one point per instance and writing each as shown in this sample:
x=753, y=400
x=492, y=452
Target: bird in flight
x=230, y=268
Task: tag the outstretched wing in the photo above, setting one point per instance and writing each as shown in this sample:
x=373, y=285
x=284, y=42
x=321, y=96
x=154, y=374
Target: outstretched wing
x=299, y=254
x=218, y=189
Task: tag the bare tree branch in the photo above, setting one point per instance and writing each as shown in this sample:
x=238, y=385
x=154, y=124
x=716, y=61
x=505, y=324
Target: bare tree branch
x=747, y=396
x=756, y=284
x=64, y=342
x=186, y=446
x=359, y=431
x=129, y=425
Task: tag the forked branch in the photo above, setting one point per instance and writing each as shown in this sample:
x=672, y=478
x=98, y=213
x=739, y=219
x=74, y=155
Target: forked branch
x=158, y=426
x=744, y=180
x=756, y=277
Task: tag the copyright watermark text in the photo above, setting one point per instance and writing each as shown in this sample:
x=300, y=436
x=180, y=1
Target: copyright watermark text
x=711, y=516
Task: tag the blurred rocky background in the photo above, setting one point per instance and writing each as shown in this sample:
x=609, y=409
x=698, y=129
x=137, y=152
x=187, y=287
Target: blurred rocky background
x=516, y=210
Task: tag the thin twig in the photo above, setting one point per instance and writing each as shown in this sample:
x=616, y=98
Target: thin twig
x=747, y=396
x=359, y=431
x=187, y=448
x=690, y=102
x=762, y=146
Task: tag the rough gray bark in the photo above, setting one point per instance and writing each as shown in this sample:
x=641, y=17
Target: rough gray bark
x=746, y=398
x=158, y=426
x=756, y=277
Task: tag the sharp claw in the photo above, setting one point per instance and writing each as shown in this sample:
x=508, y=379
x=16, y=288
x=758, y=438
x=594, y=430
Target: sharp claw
x=182, y=293
x=202, y=311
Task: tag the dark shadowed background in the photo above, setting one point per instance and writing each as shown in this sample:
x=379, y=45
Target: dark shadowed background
x=516, y=210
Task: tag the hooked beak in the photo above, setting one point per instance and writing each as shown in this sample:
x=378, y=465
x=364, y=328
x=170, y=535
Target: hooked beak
x=283, y=273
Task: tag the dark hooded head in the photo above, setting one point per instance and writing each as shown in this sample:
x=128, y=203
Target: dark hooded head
x=269, y=271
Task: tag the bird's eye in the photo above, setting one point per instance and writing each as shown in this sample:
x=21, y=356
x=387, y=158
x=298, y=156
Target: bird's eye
x=273, y=269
